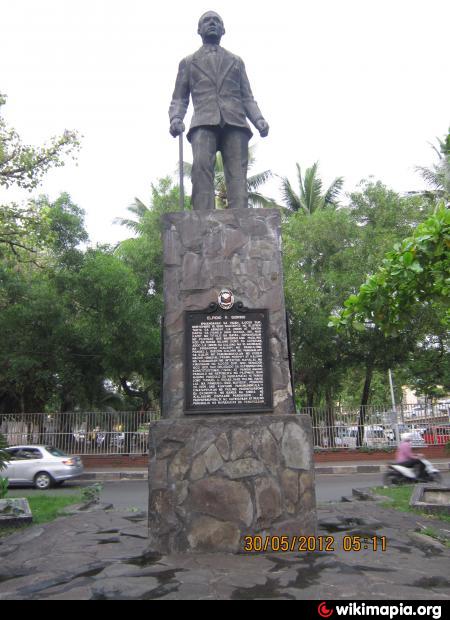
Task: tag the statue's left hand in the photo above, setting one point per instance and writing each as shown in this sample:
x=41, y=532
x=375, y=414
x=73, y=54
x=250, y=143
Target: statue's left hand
x=263, y=127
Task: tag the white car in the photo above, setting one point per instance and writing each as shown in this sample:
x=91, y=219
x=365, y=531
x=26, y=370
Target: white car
x=40, y=466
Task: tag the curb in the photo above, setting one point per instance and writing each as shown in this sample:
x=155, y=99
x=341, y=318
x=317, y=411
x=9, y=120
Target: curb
x=366, y=469
x=108, y=476
x=119, y=476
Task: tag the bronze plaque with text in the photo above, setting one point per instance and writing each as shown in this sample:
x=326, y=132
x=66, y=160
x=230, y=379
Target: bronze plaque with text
x=227, y=366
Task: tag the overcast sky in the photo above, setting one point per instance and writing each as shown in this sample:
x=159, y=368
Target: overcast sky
x=360, y=85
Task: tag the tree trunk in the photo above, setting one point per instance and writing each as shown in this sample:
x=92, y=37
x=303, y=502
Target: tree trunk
x=330, y=418
x=309, y=401
x=310, y=411
x=363, y=406
x=142, y=394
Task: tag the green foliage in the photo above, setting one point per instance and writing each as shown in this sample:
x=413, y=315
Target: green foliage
x=3, y=487
x=318, y=259
x=46, y=508
x=23, y=165
x=327, y=256
x=415, y=273
x=92, y=493
x=400, y=498
x=438, y=177
x=311, y=196
x=4, y=456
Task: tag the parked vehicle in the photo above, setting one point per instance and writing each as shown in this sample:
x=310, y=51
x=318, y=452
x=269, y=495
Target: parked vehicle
x=40, y=466
x=373, y=436
x=400, y=474
x=437, y=435
x=341, y=434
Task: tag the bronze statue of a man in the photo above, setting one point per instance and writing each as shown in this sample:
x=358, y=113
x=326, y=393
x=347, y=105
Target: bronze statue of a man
x=222, y=100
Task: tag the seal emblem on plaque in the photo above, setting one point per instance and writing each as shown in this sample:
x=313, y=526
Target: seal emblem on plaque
x=226, y=299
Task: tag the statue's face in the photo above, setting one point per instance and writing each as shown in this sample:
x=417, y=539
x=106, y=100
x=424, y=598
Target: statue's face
x=210, y=27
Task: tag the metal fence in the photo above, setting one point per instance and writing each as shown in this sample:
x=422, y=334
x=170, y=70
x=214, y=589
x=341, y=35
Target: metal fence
x=82, y=433
x=378, y=426
x=113, y=433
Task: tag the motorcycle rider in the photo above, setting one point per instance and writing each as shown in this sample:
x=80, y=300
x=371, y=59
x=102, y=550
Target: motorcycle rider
x=406, y=457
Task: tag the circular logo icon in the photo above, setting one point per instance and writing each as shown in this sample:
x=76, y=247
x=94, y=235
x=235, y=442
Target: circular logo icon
x=324, y=611
x=226, y=299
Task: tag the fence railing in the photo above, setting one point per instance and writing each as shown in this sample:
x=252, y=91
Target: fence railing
x=82, y=433
x=113, y=433
x=378, y=426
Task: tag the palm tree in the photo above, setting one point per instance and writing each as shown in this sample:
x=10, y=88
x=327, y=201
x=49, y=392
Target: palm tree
x=140, y=211
x=311, y=196
x=255, y=198
x=438, y=177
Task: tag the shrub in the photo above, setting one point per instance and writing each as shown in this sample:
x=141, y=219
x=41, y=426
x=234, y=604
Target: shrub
x=4, y=456
x=91, y=494
x=3, y=488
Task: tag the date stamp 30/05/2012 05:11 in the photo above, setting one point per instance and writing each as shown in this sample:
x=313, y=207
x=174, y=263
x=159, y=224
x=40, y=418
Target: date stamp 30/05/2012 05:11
x=311, y=544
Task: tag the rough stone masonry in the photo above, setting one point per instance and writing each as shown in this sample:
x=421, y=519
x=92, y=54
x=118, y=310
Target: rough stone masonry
x=204, y=252
x=216, y=479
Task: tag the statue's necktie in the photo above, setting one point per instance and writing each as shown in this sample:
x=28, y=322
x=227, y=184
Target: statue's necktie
x=213, y=61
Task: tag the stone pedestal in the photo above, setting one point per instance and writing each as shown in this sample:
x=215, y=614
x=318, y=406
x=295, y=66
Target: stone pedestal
x=205, y=252
x=215, y=480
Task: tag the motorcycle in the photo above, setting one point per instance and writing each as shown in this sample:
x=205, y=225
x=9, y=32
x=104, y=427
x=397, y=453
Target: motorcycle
x=400, y=474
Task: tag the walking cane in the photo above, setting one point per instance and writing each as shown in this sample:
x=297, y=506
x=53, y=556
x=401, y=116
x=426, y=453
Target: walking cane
x=181, y=167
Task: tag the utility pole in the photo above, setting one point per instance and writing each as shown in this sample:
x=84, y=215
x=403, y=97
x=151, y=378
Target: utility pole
x=394, y=408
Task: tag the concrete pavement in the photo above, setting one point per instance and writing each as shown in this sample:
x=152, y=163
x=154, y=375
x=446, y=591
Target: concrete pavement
x=104, y=555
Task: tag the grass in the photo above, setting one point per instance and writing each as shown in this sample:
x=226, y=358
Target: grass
x=400, y=497
x=45, y=508
x=399, y=500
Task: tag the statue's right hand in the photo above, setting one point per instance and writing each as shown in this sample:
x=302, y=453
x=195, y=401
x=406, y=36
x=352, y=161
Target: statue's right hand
x=176, y=127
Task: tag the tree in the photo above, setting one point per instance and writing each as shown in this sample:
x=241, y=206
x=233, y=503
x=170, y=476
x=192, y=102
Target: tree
x=413, y=281
x=311, y=196
x=20, y=231
x=118, y=321
x=438, y=177
x=319, y=271
x=413, y=274
x=327, y=256
x=24, y=165
x=21, y=227
x=35, y=316
x=143, y=255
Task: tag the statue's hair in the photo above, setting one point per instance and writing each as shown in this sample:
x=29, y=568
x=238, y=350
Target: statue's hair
x=207, y=13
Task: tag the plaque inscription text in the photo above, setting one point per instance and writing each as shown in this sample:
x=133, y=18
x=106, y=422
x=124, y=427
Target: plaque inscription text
x=227, y=366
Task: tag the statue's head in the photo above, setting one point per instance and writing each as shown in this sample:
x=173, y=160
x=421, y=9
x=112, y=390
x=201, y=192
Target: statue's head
x=210, y=27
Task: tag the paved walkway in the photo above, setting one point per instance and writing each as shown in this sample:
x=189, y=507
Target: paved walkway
x=337, y=467
x=104, y=555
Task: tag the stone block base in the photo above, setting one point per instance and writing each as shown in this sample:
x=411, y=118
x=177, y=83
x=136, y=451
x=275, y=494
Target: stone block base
x=213, y=481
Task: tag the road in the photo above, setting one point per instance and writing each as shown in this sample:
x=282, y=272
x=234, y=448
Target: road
x=133, y=494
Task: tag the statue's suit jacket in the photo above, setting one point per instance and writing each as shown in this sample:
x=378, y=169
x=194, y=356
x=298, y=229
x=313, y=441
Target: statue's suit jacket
x=220, y=95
